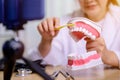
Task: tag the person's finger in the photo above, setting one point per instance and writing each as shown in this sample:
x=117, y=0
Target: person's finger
x=51, y=26
x=91, y=49
x=40, y=28
x=88, y=39
x=99, y=50
x=91, y=45
x=56, y=22
x=45, y=26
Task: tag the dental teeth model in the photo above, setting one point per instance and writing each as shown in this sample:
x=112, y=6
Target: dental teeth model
x=84, y=27
x=84, y=61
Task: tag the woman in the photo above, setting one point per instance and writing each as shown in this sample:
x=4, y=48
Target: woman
x=56, y=45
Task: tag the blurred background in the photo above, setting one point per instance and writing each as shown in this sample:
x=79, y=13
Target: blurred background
x=30, y=35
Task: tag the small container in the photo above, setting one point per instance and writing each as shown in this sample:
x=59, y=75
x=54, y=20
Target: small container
x=23, y=72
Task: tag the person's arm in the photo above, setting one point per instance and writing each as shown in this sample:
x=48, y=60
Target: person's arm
x=110, y=58
x=46, y=29
x=44, y=47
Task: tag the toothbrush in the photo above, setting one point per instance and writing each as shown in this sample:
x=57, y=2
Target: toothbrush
x=60, y=27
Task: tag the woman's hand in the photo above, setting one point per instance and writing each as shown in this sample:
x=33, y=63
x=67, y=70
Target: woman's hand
x=96, y=45
x=108, y=56
x=46, y=28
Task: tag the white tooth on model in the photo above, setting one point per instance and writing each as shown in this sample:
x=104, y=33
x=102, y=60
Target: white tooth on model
x=93, y=37
x=73, y=57
x=70, y=58
x=79, y=57
x=76, y=29
x=89, y=34
x=84, y=30
x=80, y=29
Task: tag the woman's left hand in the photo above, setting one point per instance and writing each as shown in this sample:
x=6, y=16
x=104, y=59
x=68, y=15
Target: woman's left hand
x=108, y=56
x=96, y=45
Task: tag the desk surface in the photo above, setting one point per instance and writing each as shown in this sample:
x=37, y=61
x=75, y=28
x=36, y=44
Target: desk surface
x=87, y=74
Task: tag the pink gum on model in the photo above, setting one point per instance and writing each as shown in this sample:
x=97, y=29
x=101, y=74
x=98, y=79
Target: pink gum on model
x=84, y=27
x=83, y=61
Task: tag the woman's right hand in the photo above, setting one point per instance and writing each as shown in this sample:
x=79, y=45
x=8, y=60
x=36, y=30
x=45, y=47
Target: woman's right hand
x=46, y=28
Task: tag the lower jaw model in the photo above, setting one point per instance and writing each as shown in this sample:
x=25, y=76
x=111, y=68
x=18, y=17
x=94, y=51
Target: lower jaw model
x=83, y=61
x=84, y=28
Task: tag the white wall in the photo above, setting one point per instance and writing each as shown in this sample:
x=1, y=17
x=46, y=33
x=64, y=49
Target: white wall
x=59, y=7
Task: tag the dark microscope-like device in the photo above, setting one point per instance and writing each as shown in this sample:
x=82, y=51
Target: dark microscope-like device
x=13, y=14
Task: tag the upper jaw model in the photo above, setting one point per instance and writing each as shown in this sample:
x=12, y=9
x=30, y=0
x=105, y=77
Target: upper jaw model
x=84, y=27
